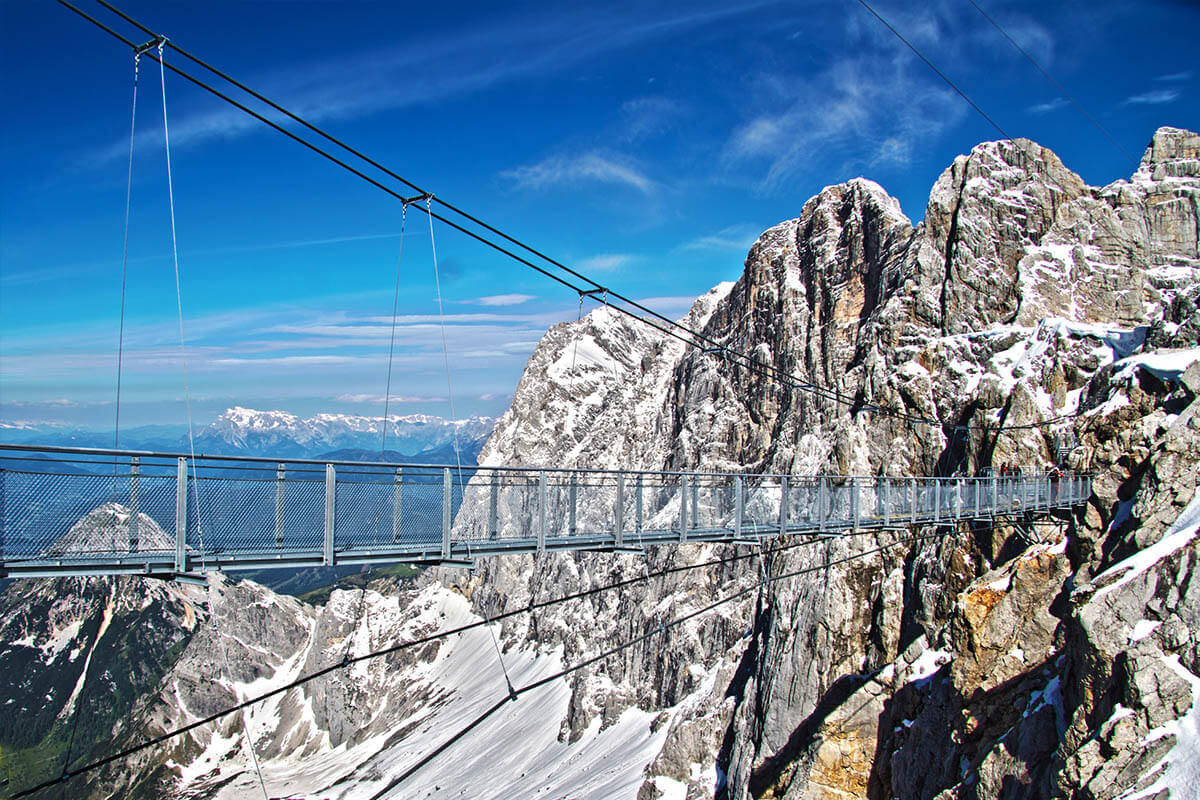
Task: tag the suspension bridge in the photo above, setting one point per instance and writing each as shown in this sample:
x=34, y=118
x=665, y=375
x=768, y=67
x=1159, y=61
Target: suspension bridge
x=68, y=511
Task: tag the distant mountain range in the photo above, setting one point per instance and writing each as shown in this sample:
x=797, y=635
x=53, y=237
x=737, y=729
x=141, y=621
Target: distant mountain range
x=280, y=434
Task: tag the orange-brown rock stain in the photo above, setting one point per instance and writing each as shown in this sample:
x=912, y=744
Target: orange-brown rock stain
x=978, y=603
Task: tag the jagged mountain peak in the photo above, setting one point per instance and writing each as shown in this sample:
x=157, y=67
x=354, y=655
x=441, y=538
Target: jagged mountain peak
x=284, y=434
x=1172, y=152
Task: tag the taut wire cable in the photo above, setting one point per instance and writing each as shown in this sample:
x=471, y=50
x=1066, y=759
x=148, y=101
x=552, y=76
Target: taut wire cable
x=137, y=57
x=188, y=406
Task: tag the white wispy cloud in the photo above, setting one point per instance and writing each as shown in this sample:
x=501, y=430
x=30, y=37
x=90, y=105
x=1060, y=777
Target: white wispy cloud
x=669, y=306
x=605, y=262
x=645, y=117
x=380, y=399
x=1152, y=98
x=428, y=69
x=1186, y=75
x=867, y=99
x=293, y=361
x=1048, y=106
x=571, y=170
x=733, y=237
x=504, y=299
x=60, y=272
x=874, y=103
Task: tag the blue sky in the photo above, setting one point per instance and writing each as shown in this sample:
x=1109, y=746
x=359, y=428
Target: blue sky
x=646, y=144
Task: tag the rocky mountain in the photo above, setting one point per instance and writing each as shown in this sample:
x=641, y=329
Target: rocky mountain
x=142, y=437
x=1027, y=310
x=1027, y=316
x=248, y=432
x=245, y=431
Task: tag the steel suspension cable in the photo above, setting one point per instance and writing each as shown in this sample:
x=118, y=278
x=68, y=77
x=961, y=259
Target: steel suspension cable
x=659, y=322
x=931, y=65
x=120, y=353
x=437, y=280
x=137, y=57
x=1029, y=57
x=387, y=394
x=188, y=399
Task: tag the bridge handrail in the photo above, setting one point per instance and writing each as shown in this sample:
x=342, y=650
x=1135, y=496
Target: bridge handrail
x=392, y=465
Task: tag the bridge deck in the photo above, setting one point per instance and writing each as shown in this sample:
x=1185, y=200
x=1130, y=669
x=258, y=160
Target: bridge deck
x=67, y=511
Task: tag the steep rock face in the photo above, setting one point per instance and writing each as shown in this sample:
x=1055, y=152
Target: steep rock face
x=77, y=657
x=1002, y=309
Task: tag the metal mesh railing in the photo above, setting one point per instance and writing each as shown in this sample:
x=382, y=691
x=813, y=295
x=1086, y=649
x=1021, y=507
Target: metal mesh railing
x=103, y=511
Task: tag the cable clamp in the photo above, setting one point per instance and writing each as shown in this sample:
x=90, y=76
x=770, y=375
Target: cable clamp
x=593, y=293
x=157, y=43
x=420, y=198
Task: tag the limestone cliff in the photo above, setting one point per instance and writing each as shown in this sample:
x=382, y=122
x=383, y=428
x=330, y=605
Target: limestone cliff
x=1026, y=311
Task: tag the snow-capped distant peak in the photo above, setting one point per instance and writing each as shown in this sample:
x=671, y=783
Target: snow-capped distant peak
x=284, y=434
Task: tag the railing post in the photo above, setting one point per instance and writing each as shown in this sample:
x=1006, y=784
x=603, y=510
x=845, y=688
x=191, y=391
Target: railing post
x=494, y=507
x=619, y=538
x=279, y=477
x=978, y=497
x=446, y=485
x=912, y=500
x=134, y=486
x=695, y=520
x=397, y=505
x=821, y=504
x=854, y=501
x=937, y=499
x=638, y=522
x=573, y=494
x=995, y=494
x=541, y=525
x=181, y=479
x=783, y=504
x=739, y=505
x=683, y=514
x=330, y=500
x=887, y=501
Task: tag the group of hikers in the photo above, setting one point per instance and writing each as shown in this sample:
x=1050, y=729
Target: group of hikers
x=1055, y=474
